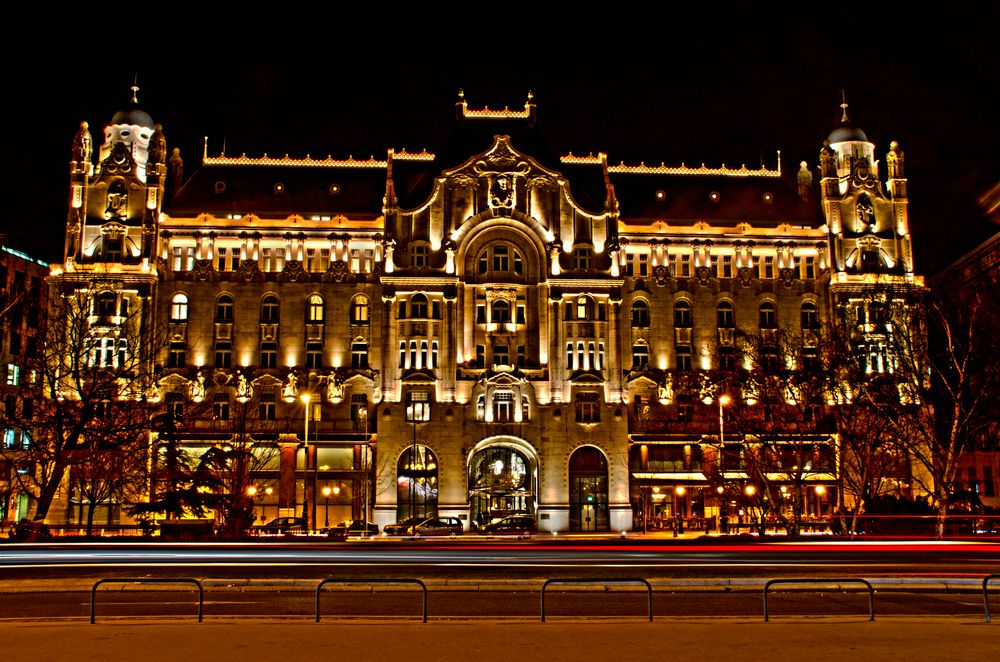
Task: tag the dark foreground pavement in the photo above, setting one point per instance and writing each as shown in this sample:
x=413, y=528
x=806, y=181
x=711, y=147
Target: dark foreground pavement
x=728, y=639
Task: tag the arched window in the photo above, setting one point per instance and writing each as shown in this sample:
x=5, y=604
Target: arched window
x=768, y=315
x=500, y=259
x=224, y=308
x=640, y=314
x=682, y=315
x=416, y=483
x=269, y=310
x=314, y=309
x=725, y=315
x=359, y=310
x=501, y=312
x=585, y=308
x=810, y=316
x=179, y=308
x=418, y=306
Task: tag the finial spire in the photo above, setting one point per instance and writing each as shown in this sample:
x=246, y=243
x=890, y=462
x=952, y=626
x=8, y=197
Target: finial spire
x=843, y=105
x=135, y=89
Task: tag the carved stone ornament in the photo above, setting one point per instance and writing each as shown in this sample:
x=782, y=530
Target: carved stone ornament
x=542, y=183
x=787, y=276
x=704, y=275
x=745, y=276
x=249, y=270
x=119, y=160
x=203, y=270
x=862, y=177
x=337, y=272
x=661, y=274
x=293, y=272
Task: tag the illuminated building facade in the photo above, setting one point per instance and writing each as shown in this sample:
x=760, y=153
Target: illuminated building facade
x=491, y=328
x=22, y=328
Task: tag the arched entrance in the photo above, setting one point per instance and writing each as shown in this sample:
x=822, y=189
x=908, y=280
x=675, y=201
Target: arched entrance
x=416, y=483
x=588, y=490
x=503, y=479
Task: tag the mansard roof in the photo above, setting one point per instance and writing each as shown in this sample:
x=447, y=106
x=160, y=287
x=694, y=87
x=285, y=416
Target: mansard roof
x=283, y=188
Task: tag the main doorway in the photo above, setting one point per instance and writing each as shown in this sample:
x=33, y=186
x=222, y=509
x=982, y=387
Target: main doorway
x=502, y=481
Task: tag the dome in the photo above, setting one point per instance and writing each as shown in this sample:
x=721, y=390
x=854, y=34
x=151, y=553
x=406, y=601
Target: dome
x=133, y=117
x=847, y=132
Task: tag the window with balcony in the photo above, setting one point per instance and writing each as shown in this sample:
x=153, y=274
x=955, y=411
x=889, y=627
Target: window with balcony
x=637, y=265
x=267, y=404
x=223, y=354
x=501, y=355
x=500, y=312
x=725, y=266
x=362, y=260
x=503, y=406
x=176, y=354
x=272, y=259
x=683, y=357
x=314, y=356
x=418, y=306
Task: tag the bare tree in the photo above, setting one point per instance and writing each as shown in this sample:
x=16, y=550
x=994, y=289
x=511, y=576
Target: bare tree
x=948, y=380
x=91, y=382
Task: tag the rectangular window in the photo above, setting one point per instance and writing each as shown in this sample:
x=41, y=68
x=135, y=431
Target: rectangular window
x=808, y=267
x=272, y=259
x=501, y=355
x=683, y=266
x=314, y=356
x=582, y=258
x=520, y=356
x=588, y=408
x=988, y=489
x=725, y=266
x=481, y=312
x=317, y=259
x=268, y=355
x=434, y=354
x=220, y=407
x=183, y=258
x=402, y=354
x=569, y=356
x=637, y=265
x=419, y=256
x=418, y=406
x=268, y=401
x=769, y=267
x=640, y=355
x=176, y=357
x=683, y=357
x=480, y=356
x=727, y=358
x=359, y=354
x=175, y=405
x=223, y=355
x=685, y=412
x=227, y=258
x=520, y=313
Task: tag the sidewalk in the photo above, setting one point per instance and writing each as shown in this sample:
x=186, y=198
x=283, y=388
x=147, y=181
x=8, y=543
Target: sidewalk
x=731, y=639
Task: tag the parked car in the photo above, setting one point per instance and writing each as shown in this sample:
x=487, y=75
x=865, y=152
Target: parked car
x=438, y=526
x=352, y=527
x=403, y=528
x=283, y=526
x=28, y=531
x=522, y=524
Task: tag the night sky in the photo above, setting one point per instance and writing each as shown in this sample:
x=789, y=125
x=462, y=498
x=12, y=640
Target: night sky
x=729, y=85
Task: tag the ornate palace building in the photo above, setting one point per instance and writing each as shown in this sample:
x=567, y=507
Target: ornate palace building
x=495, y=327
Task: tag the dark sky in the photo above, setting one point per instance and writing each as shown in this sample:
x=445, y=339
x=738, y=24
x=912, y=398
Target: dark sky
x=731, y=84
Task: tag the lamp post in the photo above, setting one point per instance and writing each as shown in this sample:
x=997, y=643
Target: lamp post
x=724, y=400
x=326, y=506
x=305, y=467
x=365, y=449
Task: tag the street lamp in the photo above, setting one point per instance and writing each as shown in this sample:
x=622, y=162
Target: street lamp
x=724, y=400
x=326, y=506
